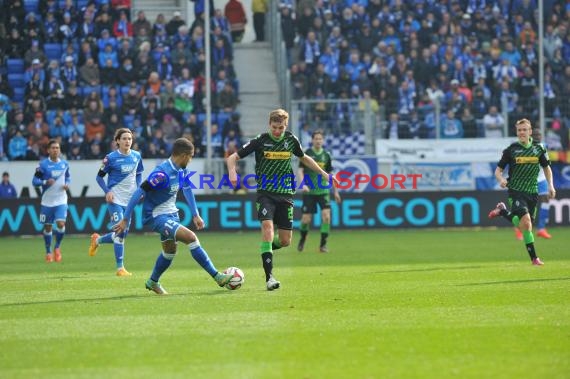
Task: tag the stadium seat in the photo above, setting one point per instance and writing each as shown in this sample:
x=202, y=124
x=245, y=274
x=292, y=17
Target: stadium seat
x=16, y=80
x=19, y=93
x=31, y=6
x=82, y=4
x=222, y=118
x=15, y=66
x=201, y=118
x=86, y=90
x=53, y=51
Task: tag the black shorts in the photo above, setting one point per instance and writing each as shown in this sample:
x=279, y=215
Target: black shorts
x=276, y=207
x=310, y=202
x=523, y=202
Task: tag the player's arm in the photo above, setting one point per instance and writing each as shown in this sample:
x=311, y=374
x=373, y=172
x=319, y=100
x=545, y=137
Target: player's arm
x=505, y=158
x=329, y=169
x=244, y=151
x=301, y=177
x=38, y=179
x=545, y=163
x=191, y=200
x=140, y=170
x=67, y=179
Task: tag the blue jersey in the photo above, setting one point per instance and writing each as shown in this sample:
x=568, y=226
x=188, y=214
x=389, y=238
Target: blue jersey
x=161, y=199
x=59, y=171
x=122, y=170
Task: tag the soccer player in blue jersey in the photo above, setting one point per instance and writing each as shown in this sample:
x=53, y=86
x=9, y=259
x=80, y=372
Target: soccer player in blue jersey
x=159, y=192
x=52, y=175
x=124, y=167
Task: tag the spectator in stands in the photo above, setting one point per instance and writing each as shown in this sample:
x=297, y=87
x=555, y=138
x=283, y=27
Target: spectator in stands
x=143, y=68
x=493, y=123
x=259, y=8
x=141, y=23
x=127, y=73
x=7, y=189
x=122, y=28
x=235, y=13
x=16, y=47
x=175, y=22
x=89, y=73
x=17, y=147
x=34, y=101
x=451, y=127
x=95, y=130
x=227, y=99
x=36, y=68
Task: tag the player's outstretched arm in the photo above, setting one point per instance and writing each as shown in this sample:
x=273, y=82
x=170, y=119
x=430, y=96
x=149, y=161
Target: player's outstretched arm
x=548, y=176
x=311, y=164
x=231, y=164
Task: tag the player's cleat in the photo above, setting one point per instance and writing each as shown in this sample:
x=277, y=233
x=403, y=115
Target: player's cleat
x=497, y=211
x=123, y=272
x=323, y=249
x=272, y=283
x=543, y=233
x=49, y=258
x=57, y=254
x=518, y=234
x=155, y=287
x=223, y=279
x=301, y=245
x=93, y=246
x=537, y=262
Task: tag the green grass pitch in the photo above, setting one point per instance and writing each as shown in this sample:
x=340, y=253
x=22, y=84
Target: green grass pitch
x=382, y=304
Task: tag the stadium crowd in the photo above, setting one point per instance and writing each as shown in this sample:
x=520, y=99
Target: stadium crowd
x=477, y=59
x=76, y=71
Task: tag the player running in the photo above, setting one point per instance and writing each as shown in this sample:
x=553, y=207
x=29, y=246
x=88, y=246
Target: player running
x=52, y=175
x=124, y=167
x=524, y=159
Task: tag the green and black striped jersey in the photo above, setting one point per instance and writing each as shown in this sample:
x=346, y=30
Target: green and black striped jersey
x=324, y=160
x=273, y=169
x=524, y=164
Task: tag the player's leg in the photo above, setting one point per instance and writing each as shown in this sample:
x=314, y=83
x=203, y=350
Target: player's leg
x=60, y=215
x=166, y=227
x=265, y=213
x=119, y=241
x=524, y=210
x=325, y=205
x=309, y=208
x=115, y=215
x=185, y=235
x=46, y=217
x=543, y=211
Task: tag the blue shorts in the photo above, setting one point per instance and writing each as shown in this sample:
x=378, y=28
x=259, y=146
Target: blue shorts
x=49, y=215
x=116, y=213
x=166, y=225
x=543, y=187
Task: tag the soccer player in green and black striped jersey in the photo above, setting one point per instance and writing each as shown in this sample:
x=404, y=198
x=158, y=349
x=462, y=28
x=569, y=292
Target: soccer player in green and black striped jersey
x=524, y=159
x=316, y=191
x=275, y=185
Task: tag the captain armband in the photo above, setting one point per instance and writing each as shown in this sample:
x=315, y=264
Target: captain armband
x=101, y=173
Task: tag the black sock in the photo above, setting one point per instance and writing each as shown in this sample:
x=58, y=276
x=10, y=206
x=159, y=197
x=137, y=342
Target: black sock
x=530, y=250
x=303, y=235
x=267, y=260
x=324, y=239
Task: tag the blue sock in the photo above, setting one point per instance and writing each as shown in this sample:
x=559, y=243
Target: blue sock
x=543, y=216
x=107, y=238
x=119, y=249
x=59, y=233
x=200, y=256
x=47, y=242
x=163, y=262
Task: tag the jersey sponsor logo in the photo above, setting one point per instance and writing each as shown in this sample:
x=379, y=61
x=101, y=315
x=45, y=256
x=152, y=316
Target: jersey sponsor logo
x=57, y=173
x=277, y=154
x=127, y=168
x=526, y=160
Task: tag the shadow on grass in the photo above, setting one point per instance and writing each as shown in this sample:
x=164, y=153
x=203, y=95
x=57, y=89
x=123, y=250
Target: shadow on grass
x=85, y=300
x=513, y=281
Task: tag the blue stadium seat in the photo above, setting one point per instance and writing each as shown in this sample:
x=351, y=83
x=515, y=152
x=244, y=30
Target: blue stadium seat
x=19, y=93
x=201, y=118
x=222, y=118
x=53, y=51
x=82, y=3
x=15, y=66
x=16, y=80
x=31, y=6
x=86, y=90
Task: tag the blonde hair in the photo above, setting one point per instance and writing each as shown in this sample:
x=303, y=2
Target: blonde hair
x=279, y=115
x=523, y=121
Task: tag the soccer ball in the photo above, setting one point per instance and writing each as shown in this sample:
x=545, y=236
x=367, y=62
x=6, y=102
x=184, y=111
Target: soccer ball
x=237, y=280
